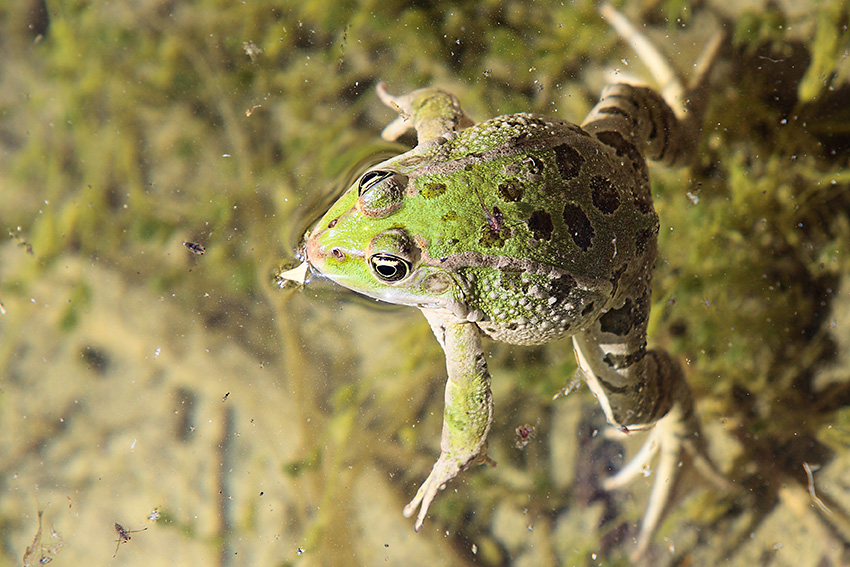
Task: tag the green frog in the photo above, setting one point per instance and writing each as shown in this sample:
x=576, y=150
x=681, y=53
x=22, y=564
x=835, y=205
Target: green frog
x=524, y=229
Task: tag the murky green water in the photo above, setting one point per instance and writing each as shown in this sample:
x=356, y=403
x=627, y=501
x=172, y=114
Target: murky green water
x=238, y=424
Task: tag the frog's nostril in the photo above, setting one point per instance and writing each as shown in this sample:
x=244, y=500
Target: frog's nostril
x=333, y=223
x=338, y=254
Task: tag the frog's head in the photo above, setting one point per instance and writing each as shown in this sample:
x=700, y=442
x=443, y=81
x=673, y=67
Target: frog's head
x=366, y=243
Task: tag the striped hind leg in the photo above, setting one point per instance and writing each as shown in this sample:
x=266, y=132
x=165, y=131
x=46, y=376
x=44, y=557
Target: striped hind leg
x=686, y=101
x=640, y=389
x=661, y=124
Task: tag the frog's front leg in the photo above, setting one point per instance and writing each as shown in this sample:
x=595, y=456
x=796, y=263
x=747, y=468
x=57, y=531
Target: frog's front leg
x=469, y=407
x=431, y=112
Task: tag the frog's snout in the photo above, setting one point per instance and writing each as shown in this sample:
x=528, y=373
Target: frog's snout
x=314, y=251
x=317, y=253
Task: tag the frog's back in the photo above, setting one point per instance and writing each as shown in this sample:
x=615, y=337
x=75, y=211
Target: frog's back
x=560, y=215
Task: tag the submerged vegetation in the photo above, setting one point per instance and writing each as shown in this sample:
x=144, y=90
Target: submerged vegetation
x=127, y=129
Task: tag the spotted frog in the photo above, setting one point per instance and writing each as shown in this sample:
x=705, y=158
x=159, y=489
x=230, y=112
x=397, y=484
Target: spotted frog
x=524, y=229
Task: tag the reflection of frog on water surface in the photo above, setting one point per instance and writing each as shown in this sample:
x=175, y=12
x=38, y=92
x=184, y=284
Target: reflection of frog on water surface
x=525, y=229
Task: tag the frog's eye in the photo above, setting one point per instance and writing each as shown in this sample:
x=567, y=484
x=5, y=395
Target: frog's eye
x=380, y=192
x=370, y=179
x=388, y=267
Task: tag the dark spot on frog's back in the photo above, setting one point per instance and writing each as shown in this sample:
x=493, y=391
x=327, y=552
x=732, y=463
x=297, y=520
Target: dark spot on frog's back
x=644, y=238
x=540, y=224
x=569, y=161
x=606, y=198
x=492, y=239
x=643, y=200
x=579, y=225
x=431, y=190
x=511, y=190
x=562, y=286
x=535, y=165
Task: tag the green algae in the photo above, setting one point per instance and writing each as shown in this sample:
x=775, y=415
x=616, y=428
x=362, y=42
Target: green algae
x=128, y=129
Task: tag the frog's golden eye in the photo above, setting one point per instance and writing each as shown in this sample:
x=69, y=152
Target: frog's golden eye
x=388, y=267
x=372, y=178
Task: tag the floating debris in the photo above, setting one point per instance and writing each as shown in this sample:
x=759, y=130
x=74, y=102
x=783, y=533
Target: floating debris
x=38, y=553
x=811, y=478
x=35, y=548
x=21, y=242
x=123, y=536
x=524, y=435
x=195, y=248
x=297, y=274
x=252, y=50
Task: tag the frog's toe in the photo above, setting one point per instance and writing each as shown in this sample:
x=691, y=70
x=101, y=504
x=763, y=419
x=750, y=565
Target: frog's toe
x=396, y=129
x=637, y=466
x=444, y=470
x=422, y=501
x=668, y=440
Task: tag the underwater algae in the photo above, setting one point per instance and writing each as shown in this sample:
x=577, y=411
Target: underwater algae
x=126, y=130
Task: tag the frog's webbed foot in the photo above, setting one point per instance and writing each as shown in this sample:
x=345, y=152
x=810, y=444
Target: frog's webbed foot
x=672, y=437
x=445, y=469
x=667, y=438
x=431, y=112
x=650, y=394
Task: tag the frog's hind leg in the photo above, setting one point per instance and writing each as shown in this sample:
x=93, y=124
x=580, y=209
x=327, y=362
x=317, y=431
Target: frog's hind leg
x=686, y=101
x=638, y=389
x=664, y=125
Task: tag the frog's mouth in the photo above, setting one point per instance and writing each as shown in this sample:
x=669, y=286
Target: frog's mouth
x=306, y=271
x=317, y=255
x=312, y=256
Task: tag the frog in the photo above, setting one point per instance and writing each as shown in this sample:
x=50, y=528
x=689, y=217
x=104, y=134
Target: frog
x=525, y=229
